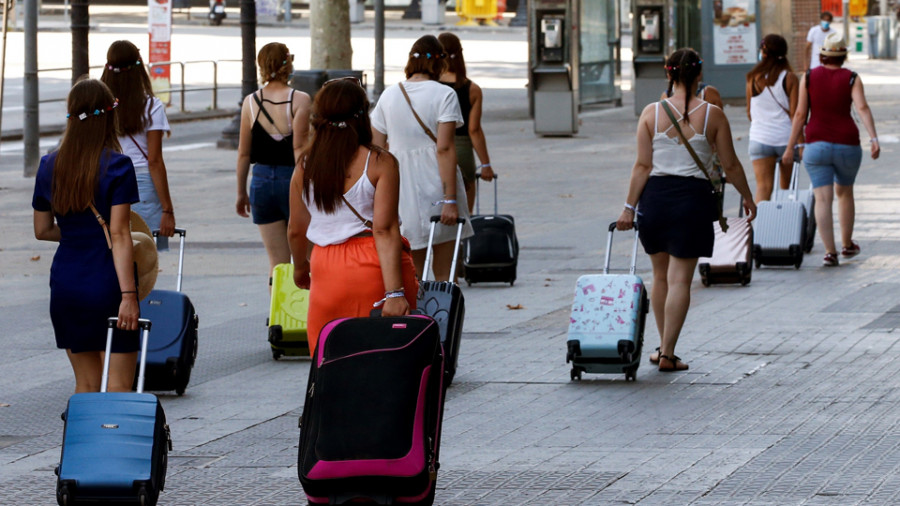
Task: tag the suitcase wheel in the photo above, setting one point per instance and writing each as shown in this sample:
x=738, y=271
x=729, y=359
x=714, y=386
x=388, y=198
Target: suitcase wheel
x=704, y=280
x=62, y=495
x=631, y=374
x=575, y=374
x=276, y=354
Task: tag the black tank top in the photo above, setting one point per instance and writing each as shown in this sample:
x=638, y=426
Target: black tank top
x=263, y=148
x=465, y=104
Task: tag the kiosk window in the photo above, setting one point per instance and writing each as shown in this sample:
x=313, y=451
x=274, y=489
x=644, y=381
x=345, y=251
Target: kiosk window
x=651, y=30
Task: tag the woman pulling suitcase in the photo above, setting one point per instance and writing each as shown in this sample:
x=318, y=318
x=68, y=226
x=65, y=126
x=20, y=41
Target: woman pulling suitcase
x=344, y=195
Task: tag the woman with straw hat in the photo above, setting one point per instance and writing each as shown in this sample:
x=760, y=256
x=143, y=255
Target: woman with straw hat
x=832, y=154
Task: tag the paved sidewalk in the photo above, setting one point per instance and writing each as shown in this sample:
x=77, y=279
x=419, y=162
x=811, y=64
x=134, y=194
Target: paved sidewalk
x=790, y=398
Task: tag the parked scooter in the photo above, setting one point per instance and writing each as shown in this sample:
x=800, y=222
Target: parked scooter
x=216, y=12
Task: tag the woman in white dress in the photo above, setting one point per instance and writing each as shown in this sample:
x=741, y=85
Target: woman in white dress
x=430, y=183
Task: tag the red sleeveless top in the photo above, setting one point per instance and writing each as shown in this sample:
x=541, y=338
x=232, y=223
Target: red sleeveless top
x=829, y=107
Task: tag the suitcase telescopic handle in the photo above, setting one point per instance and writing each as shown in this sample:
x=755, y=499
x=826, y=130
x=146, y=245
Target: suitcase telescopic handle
x=634, y=248
x=144, y=325
x=459, y=226
x=181, y=232
x=478, y=193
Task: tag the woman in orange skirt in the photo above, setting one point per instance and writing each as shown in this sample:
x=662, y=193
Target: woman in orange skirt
x=344, y=198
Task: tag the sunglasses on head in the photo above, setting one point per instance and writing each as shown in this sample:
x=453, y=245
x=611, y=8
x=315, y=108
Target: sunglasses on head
x=345, y=78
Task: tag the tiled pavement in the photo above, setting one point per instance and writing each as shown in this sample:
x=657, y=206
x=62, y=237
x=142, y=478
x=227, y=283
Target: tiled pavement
x=789, y=400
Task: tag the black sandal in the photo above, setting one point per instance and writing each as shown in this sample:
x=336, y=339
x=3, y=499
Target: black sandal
x=655, y=362
x=675, y=360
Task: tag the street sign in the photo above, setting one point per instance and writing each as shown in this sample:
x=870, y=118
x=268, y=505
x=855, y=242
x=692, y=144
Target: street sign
x=159, y=18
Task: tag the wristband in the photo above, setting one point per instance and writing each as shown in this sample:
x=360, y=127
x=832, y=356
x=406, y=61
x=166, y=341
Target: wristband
x=445, y=201
x=394, y=294
x=873, y=140
x=483, y=165
x=165, y=211
x=630, y=207
x=129, y=291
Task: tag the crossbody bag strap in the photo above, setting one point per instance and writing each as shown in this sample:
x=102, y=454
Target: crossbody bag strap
x=723, y=223
x=139, y=148
x=421, y=123
x=102, y=223
x=769, y=88
x=367, y=223
x=266, y=114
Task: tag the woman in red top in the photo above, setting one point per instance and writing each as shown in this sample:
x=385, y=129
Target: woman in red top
x=832, y=155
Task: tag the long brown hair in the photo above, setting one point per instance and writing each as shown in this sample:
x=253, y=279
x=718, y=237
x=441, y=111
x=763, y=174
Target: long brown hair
x=774, y=60
x=426, y=56
x=684, y=66
x=90, y=134
x=455, y=61
x=340, y=122
x=127, y=78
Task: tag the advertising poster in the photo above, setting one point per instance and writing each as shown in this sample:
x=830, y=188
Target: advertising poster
x=159, y=18
x=734, y=32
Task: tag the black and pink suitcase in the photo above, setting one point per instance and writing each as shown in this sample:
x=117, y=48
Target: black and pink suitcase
x=115, y=444
x=444, y=301
x=371, y=424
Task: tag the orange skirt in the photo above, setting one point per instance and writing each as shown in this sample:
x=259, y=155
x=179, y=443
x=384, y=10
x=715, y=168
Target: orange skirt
x=345, y=280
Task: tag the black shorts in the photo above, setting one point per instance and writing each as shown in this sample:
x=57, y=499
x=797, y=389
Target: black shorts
x=675, y=216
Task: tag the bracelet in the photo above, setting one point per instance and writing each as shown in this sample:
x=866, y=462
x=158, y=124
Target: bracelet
x=630, y=207
x=873, y=140
x=172, y=212
x=445, y=201
x=395, y=294
x=483, y=165
x=129, y=291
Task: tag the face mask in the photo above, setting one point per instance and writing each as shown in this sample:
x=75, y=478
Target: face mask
x=825, y=25
x=759, y=57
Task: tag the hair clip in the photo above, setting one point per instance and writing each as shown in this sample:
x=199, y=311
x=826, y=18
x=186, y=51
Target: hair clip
x=415, y=55
x=120, y=69
x=452, y=56
x=428, y=56
x=339, y=124
x=272, y=74
x=96, y=112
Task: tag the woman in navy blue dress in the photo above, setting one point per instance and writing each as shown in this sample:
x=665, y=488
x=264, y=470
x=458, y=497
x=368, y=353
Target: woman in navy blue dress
x=89, y=282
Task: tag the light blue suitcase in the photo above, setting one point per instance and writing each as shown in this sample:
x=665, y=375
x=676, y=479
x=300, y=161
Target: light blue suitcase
x=606, y=325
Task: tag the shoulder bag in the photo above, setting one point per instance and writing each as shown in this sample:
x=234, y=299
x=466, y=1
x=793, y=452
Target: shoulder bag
x=718, y=186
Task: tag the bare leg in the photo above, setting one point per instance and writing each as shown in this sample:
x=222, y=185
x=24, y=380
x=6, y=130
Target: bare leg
x=678, y=300
x=88, y=369
x=785, y=175
x=658, y=293
x=824, y=218
x=443, y=257
x=470, y=195
x=846, y=212
x=121, y=371
x=418, y=256
x=274, y=237
x=764, y=169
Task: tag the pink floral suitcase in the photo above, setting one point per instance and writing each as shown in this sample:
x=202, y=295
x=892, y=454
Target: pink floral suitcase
x=606, y=325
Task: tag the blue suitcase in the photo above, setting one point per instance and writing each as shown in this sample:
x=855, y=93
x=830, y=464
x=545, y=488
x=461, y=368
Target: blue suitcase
x=115, y=444
x=173, y=344
x=606, y=325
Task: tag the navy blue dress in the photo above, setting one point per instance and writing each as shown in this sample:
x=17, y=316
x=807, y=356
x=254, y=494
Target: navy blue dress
x=84, y=288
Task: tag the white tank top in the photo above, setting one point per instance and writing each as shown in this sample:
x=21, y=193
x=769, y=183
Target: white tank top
x=771, y=121
x=327, y=229
x=670, y=158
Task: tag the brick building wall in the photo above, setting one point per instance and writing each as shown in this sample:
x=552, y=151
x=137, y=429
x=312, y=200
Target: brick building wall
x=805, y=15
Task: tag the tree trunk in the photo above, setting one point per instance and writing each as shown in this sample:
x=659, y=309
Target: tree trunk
x=329, y=23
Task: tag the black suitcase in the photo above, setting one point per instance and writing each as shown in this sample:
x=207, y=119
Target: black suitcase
x=371, y=424
x=444, y=301
x=115, y=444
x=173, y=344
x=492, y=254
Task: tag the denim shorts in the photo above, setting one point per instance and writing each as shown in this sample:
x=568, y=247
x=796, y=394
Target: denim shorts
x=829, y=163
x=149, y=207
x=759, y=150
x=270, y=189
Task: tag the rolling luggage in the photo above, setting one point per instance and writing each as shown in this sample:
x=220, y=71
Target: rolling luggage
x=115, y=444
x=287, y=315
x=371, y=424
x=732, y=258
x=606, y=325
x=781, y=231
x=492, y=254
x=444, y=301
x=807, y=198
x=173, y=345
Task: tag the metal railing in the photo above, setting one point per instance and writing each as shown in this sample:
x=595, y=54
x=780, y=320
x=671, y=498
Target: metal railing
x=182, y=89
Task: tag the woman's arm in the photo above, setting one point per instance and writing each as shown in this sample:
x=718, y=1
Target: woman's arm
x=734, y=171
x=386, y=230
x=160, y=179
x=242, y=206
x=865, y=113
x=713, y=96
x=379, y=139
x=792, y=83
x=797, y=123
x=446, y=158
x=123, y=259
x=45, y=227
x=298, y=223
x=640, y=173
x=749, y=93
x=300, y=125
x=477, y=134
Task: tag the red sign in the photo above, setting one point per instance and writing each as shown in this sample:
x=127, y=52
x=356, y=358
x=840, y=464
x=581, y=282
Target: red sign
x=159, y=18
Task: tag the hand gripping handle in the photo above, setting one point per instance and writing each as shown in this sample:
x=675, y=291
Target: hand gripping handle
x=634, y=249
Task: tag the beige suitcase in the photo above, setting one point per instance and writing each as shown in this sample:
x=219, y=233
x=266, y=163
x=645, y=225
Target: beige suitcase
x=732, y=260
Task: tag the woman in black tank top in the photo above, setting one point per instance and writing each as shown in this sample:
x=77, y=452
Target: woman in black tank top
x=274, y=127
x=470, y=136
